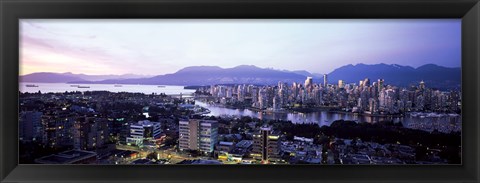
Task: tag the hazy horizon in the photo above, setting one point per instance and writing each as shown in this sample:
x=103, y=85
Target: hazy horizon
x=157, y=47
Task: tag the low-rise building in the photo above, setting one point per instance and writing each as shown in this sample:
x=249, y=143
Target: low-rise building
x=69, y=157
x=200, y=162
x=143, y=131
x=223, y=146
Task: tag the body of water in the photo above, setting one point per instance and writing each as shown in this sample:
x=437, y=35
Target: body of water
x=63, y=87
x=445, y=123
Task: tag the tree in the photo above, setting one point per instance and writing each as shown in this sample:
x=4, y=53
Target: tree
x=152, y=156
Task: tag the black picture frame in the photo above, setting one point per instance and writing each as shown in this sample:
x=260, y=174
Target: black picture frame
x=13, y=10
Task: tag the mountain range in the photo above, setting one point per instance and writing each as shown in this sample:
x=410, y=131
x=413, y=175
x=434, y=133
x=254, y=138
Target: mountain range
x=50, y=77
x=207, y=75
x=433, y=75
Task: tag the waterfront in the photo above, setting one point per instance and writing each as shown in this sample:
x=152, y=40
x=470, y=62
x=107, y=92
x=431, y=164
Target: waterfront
x=325, y=118
x=443, y=123
x=145, y=89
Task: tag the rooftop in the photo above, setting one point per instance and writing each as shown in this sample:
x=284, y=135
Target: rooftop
x=265, y=128
x=145, y=123
x=245, y=143
x=226, y=143
x=66, y=157
x=200, y=161
x=142, y=162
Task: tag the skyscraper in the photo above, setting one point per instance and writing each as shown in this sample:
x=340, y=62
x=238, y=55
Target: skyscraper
x=308, y=82
x=422, y=85
x=366, y=82
x=325, y=81
x=340, y=84
x=198, y=134
x=380, y=84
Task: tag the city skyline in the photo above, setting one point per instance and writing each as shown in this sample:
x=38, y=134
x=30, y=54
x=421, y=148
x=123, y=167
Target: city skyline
x=93, y=47
x=245, y=124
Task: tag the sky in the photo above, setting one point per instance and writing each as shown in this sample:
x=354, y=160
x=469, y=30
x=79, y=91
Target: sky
x=162, y=46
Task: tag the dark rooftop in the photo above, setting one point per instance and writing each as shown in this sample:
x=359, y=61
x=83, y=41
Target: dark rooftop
x=66, y=157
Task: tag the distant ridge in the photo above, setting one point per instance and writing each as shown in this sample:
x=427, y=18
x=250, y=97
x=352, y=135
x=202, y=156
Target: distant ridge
x=50, y=77
x=208, y=75
x=433, y=75
x=105, y=77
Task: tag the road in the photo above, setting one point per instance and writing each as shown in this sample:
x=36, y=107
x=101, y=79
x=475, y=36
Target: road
x=169, y=154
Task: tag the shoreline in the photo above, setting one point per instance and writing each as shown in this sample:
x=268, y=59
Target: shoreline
x=325, y=109
x=94, y=87
x=311, y=110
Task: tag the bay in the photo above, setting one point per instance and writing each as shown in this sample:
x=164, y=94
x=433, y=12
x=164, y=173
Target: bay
x=145, y=89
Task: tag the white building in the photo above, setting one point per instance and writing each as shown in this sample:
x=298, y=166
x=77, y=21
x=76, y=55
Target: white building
x=143, y=130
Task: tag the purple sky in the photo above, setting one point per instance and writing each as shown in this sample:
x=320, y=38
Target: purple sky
x=154, y=47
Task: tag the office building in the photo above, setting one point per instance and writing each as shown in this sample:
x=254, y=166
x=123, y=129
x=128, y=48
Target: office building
x=198, y=134
x=143, y=131
x=266, y=145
